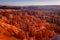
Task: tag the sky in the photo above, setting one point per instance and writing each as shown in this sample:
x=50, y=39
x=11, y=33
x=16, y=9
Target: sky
x=29, y=2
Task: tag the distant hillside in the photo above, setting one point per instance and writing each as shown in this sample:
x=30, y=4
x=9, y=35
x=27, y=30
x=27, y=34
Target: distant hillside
x=9, y=7
x=39, y=7
x=47, y=8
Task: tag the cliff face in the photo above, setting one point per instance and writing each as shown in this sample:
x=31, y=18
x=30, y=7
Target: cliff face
x=25, y=25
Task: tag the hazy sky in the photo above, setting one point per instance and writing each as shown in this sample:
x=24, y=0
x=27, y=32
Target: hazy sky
x=29, y=2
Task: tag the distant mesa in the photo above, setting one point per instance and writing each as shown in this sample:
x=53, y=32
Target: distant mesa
x=30, y=7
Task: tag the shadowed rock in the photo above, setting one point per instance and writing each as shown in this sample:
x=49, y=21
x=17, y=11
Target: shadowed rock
x=57, y=37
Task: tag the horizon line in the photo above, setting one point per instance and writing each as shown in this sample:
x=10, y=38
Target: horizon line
x=30, y=5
